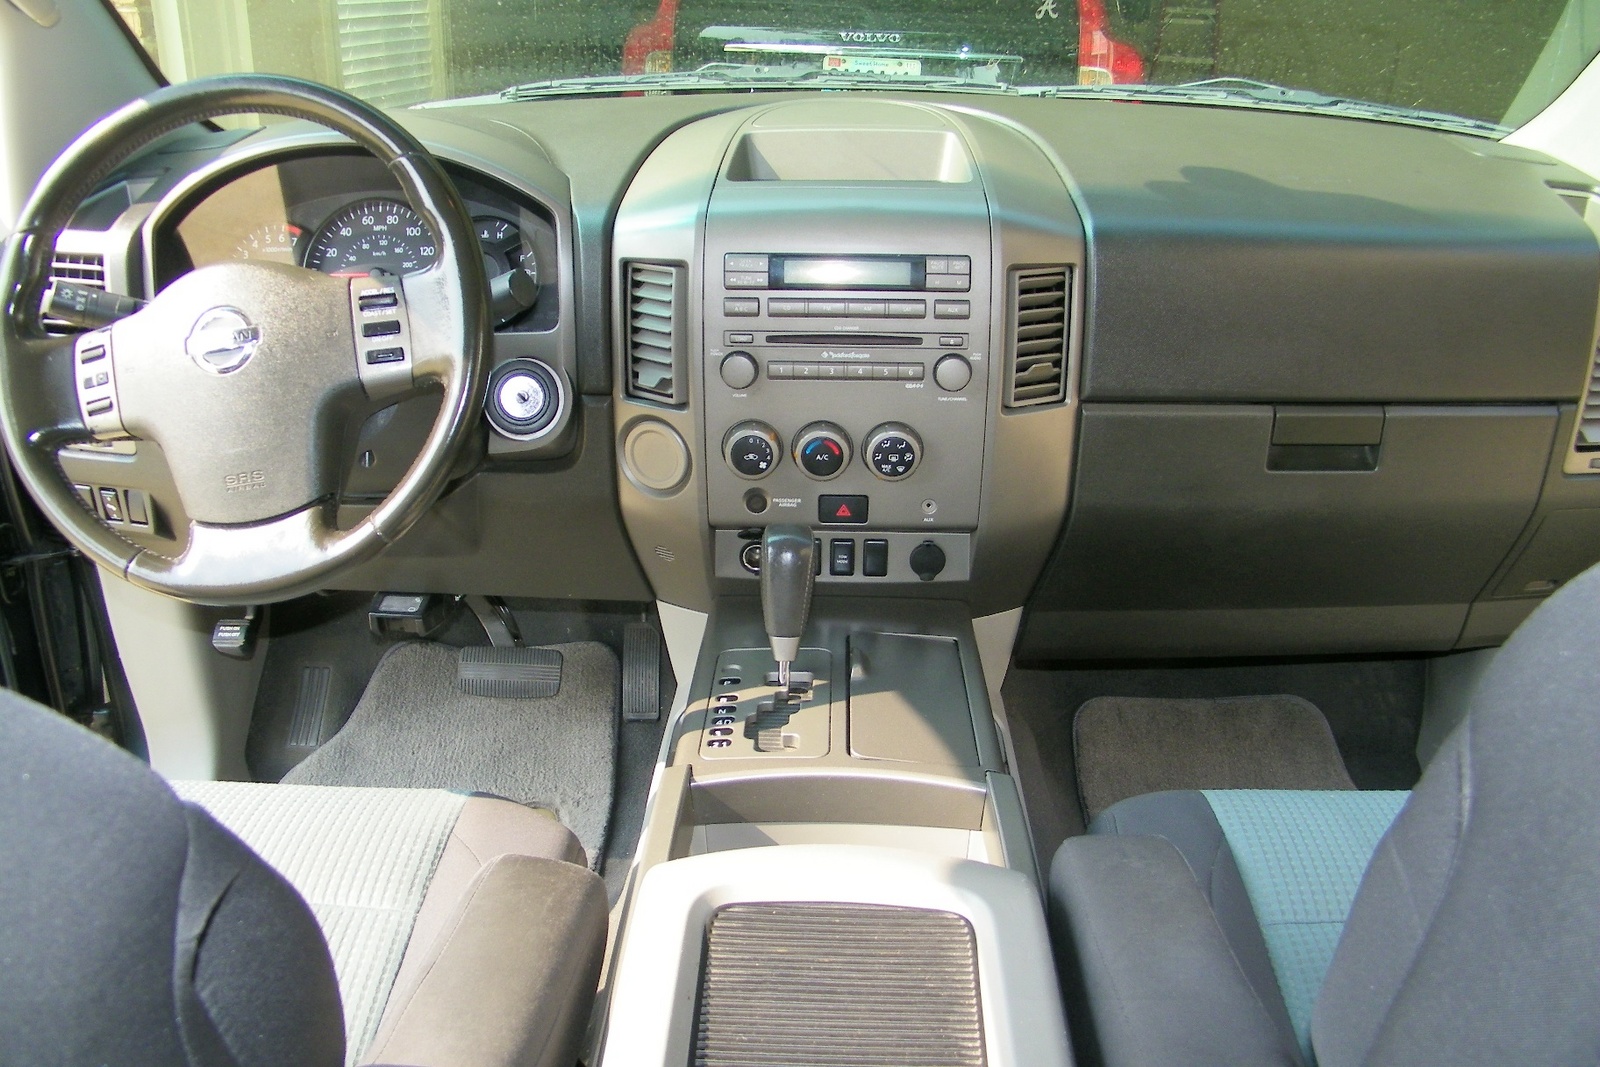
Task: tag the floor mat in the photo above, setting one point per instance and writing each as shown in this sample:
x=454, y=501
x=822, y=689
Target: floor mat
x=414, y=727
x=1125, y=746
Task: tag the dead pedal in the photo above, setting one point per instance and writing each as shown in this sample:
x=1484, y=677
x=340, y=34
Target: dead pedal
x=509, y=673
x=641, y=673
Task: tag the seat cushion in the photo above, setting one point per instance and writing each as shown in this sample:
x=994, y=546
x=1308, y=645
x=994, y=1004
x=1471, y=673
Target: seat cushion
x=1301, y=855
x=362, y=859
x=464, y=929
x=1268, y=878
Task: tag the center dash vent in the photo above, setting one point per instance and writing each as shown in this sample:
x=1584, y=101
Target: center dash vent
x=656, y=354
x=80, y=268
x=1037, y=337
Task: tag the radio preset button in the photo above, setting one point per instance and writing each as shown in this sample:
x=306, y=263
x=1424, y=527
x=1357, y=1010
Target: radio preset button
x=739, y=370
x=780, y=372
x=952, y=309
x=883, y=372
x=952, y=372
x=744, y=306
x=911, y=372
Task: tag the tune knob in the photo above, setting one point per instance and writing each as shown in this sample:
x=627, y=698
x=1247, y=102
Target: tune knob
x=752, y=449
x=822, y=450
x=952, y=373
x=892, y=451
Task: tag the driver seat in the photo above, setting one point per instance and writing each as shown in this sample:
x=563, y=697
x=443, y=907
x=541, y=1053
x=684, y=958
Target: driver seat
x=135, y=928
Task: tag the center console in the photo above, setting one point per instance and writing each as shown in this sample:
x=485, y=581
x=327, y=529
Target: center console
x=839, y=321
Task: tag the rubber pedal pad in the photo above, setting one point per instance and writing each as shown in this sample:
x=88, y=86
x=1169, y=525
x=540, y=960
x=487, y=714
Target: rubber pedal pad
x=509, y=673
x=641, y=673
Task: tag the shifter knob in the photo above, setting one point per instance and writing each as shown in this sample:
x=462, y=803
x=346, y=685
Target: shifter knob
x=786, y=576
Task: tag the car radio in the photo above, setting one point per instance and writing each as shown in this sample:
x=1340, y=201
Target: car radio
x=847, y=391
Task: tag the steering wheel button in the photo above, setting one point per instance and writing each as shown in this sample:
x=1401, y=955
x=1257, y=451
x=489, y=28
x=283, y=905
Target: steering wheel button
x=110, y=505
x=99, y=407
x=386, y=355
x=379, y=300
x=94, y=352
x=386, y=328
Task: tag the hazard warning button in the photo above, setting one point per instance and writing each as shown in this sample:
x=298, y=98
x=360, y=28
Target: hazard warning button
x=847, y=509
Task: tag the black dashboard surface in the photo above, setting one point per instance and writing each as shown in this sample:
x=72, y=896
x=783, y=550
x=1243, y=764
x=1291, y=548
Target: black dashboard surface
x=1239, y=264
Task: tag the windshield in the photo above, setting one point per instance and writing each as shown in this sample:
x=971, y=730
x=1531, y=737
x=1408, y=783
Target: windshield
x=1493, y=61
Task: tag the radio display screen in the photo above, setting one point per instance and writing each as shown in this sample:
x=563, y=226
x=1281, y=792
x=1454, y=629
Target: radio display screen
x=854, y=272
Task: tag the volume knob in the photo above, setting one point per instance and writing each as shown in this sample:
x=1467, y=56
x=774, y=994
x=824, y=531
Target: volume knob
x=739, y=370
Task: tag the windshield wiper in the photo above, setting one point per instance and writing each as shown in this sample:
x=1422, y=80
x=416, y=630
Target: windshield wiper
x=725, y=76
x=1247, y=92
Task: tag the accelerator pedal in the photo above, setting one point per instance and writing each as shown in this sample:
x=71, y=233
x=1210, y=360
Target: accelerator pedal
x=509, y=673
x=641, y=673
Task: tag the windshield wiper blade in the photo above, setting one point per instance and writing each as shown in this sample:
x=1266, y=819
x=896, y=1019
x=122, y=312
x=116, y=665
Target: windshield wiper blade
x=724, y=76
x=1247, y=92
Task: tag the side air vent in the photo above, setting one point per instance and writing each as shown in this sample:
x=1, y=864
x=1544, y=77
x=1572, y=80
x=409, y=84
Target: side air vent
x=655, y=333
x=1589, y=422
x=1037, y=340
x=80, y=268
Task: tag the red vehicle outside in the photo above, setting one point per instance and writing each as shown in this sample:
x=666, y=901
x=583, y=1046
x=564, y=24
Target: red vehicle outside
x=1102, y=58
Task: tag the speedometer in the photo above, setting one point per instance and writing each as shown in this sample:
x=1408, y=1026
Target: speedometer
x=373, y=234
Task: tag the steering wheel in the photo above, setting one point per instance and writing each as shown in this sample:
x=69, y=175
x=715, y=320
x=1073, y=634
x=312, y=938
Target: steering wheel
x=248, y=375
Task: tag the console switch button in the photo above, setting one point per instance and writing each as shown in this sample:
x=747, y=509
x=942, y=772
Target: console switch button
x=842, y=557
x=874, y=558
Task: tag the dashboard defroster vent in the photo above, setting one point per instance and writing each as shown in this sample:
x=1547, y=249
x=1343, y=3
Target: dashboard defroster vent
x=1036, y=340
x=80, y=268
x=656, y=354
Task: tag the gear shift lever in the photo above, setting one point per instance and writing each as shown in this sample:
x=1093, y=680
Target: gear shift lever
x=786, y=576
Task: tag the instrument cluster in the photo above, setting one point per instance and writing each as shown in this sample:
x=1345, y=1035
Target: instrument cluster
x=342, y=215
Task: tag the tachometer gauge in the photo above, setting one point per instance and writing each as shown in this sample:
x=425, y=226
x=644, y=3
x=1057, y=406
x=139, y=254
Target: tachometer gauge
x=273, y=241
x=372, y=234
x=504, y=247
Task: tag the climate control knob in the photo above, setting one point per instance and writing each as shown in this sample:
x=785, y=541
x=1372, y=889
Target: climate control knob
x=892, y=451
x=822, y=450
x=752, y=449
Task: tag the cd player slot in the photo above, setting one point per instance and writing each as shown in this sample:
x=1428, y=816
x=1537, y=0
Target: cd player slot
x=854, y=340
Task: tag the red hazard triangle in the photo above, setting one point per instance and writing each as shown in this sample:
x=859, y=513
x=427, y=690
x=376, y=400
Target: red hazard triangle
x=843, y=512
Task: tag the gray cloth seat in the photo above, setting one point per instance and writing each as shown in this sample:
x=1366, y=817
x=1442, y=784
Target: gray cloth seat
x=243, y=924
x=1458, y=924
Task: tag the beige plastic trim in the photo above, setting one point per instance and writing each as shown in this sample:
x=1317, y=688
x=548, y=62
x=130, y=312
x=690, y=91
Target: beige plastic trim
x=194, y=703
x=655, y=978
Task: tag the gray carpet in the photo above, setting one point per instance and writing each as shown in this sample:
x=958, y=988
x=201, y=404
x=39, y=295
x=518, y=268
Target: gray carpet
x=414, y=728
x=1125, y=746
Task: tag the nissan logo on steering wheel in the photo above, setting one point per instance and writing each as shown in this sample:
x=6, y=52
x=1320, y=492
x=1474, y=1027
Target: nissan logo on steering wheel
x=223, y=340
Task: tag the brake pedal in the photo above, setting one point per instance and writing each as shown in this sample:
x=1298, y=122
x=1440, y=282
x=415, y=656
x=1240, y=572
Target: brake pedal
x=509, y=673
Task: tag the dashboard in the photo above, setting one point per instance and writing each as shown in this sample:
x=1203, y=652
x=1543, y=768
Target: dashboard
x=1174, y=380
